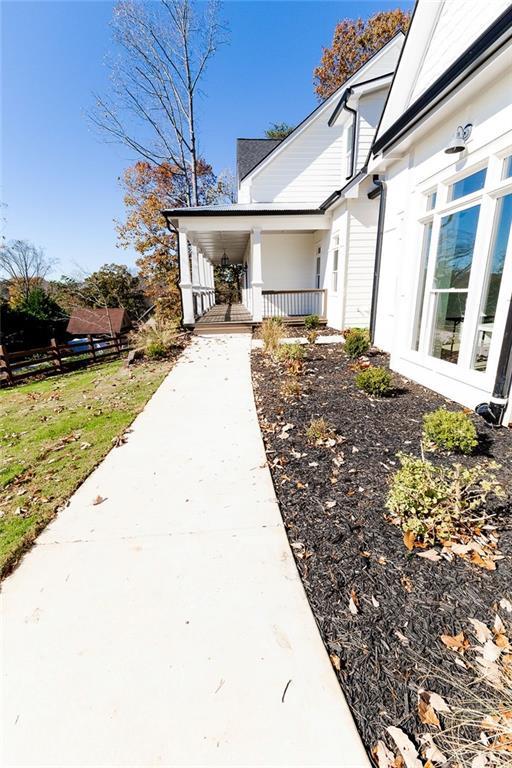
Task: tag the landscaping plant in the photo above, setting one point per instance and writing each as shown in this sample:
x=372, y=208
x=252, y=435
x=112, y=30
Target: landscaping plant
x=271, y=334
x=291, y=387
x=375, y=380
x=320, y=432
x=156, y=338
x=312, y=336
x=438, y=504
x=357, y=341
x=311, y=322
x=292, y=355
x=450, y=431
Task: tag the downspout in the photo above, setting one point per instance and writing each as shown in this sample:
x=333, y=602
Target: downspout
x=353, y=112
x=379, y=190
x=494, y=411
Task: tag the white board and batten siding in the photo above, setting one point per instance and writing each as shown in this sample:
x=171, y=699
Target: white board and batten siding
x=362, y=231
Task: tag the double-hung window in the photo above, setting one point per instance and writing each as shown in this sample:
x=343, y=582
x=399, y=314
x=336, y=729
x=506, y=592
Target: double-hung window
x=464, y=243
x=318, y=266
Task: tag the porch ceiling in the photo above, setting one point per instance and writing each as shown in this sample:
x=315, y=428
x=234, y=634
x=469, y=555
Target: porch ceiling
x=214, y=244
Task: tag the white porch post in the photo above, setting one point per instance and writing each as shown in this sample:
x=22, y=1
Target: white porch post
x=185, y=280
x=204, y=281
x=257, y=277
x=211, y=284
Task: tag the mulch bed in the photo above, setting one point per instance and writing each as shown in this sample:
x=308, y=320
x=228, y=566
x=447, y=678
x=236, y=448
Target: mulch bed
x=295, y=331
x=387, y=651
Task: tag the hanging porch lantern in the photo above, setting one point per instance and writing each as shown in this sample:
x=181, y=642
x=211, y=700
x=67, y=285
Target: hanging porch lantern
x=224, y=262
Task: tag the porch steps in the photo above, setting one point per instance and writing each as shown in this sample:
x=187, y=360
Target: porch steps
x=207, y=329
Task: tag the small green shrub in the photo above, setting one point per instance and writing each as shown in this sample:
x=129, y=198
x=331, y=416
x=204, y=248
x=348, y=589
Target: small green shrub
x=450, y=431
x=288, y=352
x=311, y=322
x=439, y=504
x=271, y=333
x=291, y=387
x=357, y=341
x=375, y=380
x=155, y=350
x=312, y=336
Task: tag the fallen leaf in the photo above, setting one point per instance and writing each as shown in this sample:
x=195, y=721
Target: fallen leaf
x=352, y=603
x=406, y=747
x=431, y=752
x=499, y=627
x=383, y=756
x=490, y=651
x=409, y=539
x=430, y=554
x=335, y=661
x=482, y=631
x=457, y=643
x=437, y=702
x=425, y=711
x=98, y=500
x=506, y=604
x=483, y=562
x=479, y=761
x=375, y=602
x=330, y=504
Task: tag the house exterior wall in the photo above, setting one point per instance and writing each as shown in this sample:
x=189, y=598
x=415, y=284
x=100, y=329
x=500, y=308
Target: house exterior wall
x=287, y=261
x=486, y=103
x=456, y=26
x=362, y=230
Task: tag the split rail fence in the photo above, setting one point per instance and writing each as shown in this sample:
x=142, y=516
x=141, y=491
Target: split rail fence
x=58, y=358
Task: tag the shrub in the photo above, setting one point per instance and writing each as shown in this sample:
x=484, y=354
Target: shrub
x=156, y=338
x=271, y=333
x=450, y=431
x=155, y=350
x=437, y=504
x=357, y=341
x=312, y=336
x=375, y=381
x=320, y=432
x=291, y=387
x=311, y=322
x=294, y=351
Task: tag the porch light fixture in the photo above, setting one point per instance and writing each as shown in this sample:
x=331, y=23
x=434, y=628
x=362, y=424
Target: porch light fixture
x=224, y=262
x=459, y=139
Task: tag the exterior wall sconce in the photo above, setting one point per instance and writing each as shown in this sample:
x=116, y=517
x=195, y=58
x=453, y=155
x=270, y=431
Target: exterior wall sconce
x=459, y=139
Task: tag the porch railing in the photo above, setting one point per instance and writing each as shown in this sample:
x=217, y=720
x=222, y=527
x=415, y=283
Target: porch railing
x=247, y=298
x=298, y=303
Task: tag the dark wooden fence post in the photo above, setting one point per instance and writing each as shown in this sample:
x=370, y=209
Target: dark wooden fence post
x=4, y=364
x=57, y=360
x=92, y=348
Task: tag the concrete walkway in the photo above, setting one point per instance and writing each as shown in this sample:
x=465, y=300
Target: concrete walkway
x=165, y=626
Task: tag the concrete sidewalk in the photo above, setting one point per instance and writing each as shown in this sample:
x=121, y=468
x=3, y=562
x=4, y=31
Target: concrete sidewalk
x=162, y=626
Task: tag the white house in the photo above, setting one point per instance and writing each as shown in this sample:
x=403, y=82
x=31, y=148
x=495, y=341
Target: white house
x=303, y=224
x=443, y=155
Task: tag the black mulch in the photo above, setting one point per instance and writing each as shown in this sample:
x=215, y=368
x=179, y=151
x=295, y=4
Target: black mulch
x=387, y=651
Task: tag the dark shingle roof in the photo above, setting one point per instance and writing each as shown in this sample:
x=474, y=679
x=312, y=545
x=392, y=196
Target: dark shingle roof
x=250, y=152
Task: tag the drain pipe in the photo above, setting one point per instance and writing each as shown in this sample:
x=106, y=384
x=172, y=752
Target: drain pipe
x=379, y=190
x=348, y=94
x=494, y=411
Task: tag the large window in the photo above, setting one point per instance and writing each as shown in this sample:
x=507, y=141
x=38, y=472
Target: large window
x=462, y=267
x=492, y=284
x=318, y=266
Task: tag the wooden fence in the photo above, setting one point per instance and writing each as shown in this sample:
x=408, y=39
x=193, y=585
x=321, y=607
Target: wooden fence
x=58, y=358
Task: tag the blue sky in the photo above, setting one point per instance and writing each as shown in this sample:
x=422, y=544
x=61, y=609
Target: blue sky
x=60, y=182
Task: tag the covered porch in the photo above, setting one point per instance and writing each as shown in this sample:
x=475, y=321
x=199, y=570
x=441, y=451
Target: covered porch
x=279, y=249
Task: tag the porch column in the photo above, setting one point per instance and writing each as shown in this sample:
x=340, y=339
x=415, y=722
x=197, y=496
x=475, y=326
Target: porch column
x=257, y=278
x=212, y=284
x=203, y=282
x=185, y=280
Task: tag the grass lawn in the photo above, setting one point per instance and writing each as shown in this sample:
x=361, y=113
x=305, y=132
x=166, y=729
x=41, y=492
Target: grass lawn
x=53, y=433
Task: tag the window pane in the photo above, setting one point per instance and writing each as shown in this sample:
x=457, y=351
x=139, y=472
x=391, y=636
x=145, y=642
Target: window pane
x=427, y=236
x=492, y=283
x=335, y=260
x=468, y=184
x=507, y=167
x=449, y=313
x=431, y=200
x=455, y=248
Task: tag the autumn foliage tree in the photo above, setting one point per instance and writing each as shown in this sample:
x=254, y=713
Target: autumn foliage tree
x=149, y=189
x=354, y=42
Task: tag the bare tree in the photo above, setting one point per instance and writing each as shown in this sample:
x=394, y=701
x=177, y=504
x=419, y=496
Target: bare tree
x=164, y=50
x=24, y=264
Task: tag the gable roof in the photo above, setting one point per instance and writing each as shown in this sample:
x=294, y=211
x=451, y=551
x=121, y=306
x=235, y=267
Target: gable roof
x=398, y=118
x=250, y=152
x=327, y=104
x=84, y=321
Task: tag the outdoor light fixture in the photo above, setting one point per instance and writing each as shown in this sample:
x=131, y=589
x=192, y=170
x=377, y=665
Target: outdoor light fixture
x=458, y=141
x=224, y=262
